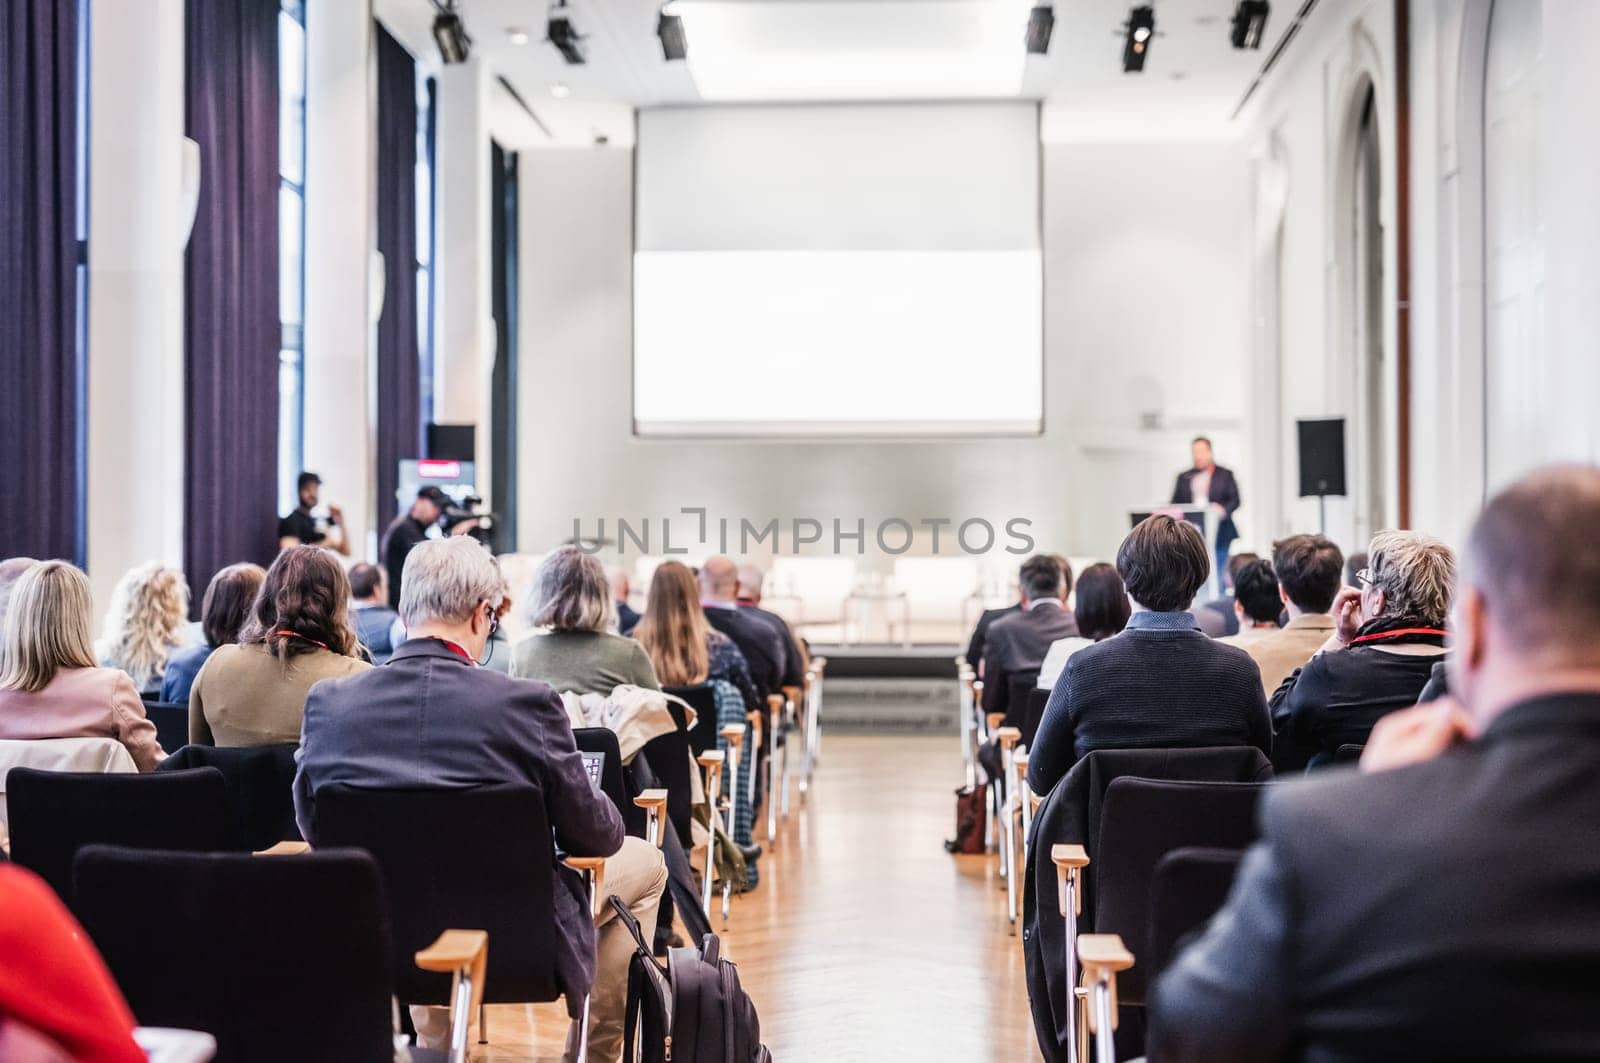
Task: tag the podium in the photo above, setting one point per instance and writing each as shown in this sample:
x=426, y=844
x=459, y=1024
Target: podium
x=1203, y=518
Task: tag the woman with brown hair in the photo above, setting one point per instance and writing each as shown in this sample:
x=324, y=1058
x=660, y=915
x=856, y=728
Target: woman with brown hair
x=50, y=685
x=223, y=611
x=254, y=693
x=683, y=647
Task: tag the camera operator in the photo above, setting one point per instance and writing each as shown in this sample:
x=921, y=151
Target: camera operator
x=301, y=528
x=406, y=531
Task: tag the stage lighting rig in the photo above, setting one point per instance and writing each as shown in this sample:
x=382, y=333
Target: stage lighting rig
x=1041, y=23
x=669, y=28
x=450, y=34
x=560, y=31
x=1250, y=23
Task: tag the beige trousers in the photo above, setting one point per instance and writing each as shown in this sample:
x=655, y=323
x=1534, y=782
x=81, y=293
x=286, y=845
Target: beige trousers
x=636, y=876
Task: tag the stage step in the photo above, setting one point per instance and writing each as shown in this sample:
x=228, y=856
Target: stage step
x=889, y=706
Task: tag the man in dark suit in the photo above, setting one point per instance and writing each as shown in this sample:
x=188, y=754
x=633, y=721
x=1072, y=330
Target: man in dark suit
x=431, y=717
x=1445, y=902
x=1161, y=684
x=763, y=648
x=751, y=579
x=1208, y=483
x=980, y=633
x=1017, y=643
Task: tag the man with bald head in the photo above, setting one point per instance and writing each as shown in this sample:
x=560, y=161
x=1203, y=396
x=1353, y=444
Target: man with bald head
x=1445, y=902
x=762, y=647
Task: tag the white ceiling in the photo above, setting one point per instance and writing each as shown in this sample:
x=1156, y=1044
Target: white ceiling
x=853, y=49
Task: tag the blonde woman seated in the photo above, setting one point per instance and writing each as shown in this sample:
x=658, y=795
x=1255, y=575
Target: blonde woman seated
x=571, y=598
x=254, y=693
x=683, y=646
x=50, y=685
x=147, y=622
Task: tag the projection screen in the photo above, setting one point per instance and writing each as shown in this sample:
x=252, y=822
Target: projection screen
x=838, y=270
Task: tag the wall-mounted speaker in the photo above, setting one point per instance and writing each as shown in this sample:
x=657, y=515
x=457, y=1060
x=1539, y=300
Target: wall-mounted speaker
x=1321, y=457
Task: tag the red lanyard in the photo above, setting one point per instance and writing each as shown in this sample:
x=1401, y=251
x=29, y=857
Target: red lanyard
x=455, y=649
x=1378, y=636
x=286, y=633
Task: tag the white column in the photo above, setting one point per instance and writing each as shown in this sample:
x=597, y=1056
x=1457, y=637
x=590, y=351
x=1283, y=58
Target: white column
x=464, y=347
x=136, y=240
x=340, y=238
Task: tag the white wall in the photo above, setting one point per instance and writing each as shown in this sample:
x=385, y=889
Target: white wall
x=1145, y=299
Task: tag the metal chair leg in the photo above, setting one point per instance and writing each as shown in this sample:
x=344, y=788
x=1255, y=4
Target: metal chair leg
x=1070, y=860
x=711, y=761
x=483, y=1023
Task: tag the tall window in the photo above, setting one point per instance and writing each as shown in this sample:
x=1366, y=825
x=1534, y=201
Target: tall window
x=425, y=135
x=291, y=246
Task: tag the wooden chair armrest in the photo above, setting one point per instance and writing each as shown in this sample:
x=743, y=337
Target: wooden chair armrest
x=1007, y=736
x=1065, y=856
x=992, y=721
x=775, y=704
x=791, y=693
x=285, y=849
x=596, y=866
x=1069, y=860
x=651, y=799
x=454, y=950
x=753, y=720
x=710, y=757
x=1104, y=952
x=1020, y=762
x=733, y=732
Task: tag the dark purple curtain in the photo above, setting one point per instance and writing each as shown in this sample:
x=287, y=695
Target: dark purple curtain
x=399, y=354
x=38, y=278
x=231, y=329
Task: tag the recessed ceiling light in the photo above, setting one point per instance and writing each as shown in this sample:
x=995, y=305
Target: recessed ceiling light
x=517, y=35
x=559, y=90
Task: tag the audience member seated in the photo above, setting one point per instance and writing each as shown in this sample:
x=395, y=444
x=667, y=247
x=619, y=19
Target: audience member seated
x=1256, y=604
x=254, y=693
x=796, y=659
x=571, y=597
x=430, y=717
x=1441, y=905
x=145, y=624
x=58, y=1003
x=50, y=684
x=765, y=651
x=223, y=613
x=1018, y=643
x=1387, y=637
x=1307, y=568
x=1102, y=611
x=627, y=615
x=684, y=649
x=1161, y=684
x=980, y=634
x=1218, y=618
x=369, y=609
x=11, y=570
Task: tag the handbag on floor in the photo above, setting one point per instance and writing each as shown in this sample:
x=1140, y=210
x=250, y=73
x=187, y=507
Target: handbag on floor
x=972, y=813
x=694, y=1011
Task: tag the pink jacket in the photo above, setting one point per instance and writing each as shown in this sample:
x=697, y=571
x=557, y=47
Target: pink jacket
x=84, y=703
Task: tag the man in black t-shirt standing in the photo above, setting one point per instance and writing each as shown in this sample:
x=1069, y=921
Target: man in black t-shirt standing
x=300, y=528
x=406, y=531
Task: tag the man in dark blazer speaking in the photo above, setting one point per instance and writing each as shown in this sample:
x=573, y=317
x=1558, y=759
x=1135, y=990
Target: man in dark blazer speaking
x=1445, y=902
x=1209, y=483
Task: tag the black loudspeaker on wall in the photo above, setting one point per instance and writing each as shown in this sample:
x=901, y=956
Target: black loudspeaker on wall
x=1322, y=460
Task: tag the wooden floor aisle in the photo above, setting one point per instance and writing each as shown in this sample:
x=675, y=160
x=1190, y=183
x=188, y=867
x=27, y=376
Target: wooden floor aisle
x=865, y=940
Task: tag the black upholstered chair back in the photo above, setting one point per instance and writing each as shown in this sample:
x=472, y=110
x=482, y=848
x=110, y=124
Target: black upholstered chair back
x=1037, y=699
x=53, y=814
x=278, y=958
x=260, y=786
x=612, y=783
x=669, y=756
x=1020, y=685
x=703, y=699
x=172, y=723
x=1189, y=887
x=1142, y=821
x=479, y=859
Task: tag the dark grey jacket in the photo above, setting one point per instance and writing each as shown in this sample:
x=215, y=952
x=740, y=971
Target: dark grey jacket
x=431, y=718
x=1447, y=910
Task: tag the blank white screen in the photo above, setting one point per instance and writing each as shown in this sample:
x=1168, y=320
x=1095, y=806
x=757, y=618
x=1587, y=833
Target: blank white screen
x=838, y=270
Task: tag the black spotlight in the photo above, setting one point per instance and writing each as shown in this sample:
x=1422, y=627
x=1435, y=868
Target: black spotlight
x=1141, y=31
x=674, y=45
x=451, y=35
x=1249, y=23
x=560, y=32
x=1041, y=23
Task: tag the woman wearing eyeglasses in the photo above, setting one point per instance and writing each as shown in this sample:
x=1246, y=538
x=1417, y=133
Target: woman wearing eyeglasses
x=1388, y=635
x=299, y=633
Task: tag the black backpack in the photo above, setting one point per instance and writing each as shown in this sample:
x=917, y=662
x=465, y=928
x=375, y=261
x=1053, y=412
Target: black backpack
x=694, y=1011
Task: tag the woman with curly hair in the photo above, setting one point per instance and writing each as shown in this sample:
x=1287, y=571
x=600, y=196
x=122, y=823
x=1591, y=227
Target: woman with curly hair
x=254, y=693
x=145, y=624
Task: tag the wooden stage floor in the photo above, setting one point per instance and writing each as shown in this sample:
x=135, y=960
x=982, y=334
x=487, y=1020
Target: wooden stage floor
x=865, y=940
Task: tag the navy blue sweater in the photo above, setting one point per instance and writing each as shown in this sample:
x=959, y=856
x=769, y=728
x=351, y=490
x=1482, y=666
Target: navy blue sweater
x=1161, y=684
